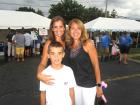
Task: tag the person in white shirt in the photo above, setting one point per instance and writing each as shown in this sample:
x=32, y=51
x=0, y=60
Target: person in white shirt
x=28, y=41
x=10, y=45
x=61, y=90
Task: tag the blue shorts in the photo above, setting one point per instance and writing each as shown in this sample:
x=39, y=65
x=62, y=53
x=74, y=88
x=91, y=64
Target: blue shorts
x=124, y=49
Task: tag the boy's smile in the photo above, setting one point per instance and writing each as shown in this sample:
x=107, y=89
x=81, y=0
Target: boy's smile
x=56, y=55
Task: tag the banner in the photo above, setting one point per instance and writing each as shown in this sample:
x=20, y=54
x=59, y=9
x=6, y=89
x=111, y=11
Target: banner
x=43, y=31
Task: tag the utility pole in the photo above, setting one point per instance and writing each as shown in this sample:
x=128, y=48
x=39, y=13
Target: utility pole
x=106, y=8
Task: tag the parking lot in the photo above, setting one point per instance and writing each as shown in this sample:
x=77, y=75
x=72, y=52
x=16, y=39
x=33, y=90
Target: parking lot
x=19, y=86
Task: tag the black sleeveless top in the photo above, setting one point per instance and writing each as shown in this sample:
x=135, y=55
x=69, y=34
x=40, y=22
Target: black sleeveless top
x=83, y=70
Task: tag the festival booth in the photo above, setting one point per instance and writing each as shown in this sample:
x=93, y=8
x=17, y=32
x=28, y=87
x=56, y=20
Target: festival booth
x=18, y=20
x=21, y=20
x=113, y=24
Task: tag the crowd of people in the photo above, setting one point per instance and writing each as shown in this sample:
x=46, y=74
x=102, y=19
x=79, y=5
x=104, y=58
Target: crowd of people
x=22, y=43
x=69, y=71
x=110, y=47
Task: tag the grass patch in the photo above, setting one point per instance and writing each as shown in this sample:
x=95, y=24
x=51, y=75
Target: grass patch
x=136, y=57
x=2, y=38
x=3, y=34
x=135, y=51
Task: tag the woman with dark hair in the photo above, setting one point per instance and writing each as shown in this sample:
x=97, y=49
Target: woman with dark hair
x=57, y=33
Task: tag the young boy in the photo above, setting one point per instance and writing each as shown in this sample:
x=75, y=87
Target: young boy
x=62, y=91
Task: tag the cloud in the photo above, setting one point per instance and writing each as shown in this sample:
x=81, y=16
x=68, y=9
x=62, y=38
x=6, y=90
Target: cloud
x=129, y=8
x=30, y=1
x=134, y=13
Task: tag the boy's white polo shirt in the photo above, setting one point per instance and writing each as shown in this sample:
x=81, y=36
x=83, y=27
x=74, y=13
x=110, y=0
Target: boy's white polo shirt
x=58, y=93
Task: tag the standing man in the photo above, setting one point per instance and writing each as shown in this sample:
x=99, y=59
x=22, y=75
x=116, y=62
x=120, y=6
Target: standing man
x=125, y=42
x=10, y=44
x=19, y=40
x=28, y=42
x=105, y=42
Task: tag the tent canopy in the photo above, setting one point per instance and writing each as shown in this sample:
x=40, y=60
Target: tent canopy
x=18, y=20
x=113, y=24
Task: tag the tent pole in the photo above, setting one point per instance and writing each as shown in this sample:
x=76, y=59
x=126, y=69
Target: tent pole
x=137, y=40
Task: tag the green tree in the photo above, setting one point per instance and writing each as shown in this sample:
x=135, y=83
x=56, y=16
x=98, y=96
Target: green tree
x=114, y=13
x=39, y=12
x=26, y=9
x=30, y=9
x=92, y=13
x=68, y=9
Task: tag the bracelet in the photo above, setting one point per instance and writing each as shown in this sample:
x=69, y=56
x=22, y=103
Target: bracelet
x=98, y=85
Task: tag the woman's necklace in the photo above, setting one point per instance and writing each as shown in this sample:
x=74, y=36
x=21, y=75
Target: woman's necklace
x=75, y=51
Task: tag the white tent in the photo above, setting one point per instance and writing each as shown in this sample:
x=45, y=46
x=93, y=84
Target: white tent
x=113, y=24
x=18, y=20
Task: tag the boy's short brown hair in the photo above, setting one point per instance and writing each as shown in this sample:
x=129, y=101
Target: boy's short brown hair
x=55, y=44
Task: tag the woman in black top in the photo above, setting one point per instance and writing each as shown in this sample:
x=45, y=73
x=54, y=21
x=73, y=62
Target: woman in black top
x=57, y=33
x=84, y=62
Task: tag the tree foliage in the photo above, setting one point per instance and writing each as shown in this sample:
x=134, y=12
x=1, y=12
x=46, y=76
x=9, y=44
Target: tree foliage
x=70, y=9
x=39, y=12
x=30, y=9
x=114, y=13
x=92, y=13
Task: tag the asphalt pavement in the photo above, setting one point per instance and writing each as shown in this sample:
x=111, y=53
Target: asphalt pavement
x=19, y=86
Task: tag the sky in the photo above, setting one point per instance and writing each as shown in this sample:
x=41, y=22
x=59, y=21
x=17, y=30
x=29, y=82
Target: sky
x=125, y=8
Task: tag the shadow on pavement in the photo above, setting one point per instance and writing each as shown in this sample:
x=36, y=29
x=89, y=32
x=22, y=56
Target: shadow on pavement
x=19, y=86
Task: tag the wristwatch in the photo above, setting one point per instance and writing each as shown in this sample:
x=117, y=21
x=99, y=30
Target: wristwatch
x=98, y=85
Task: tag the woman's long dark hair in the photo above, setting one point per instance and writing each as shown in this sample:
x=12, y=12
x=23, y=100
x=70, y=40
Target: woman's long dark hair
x=51, y=35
